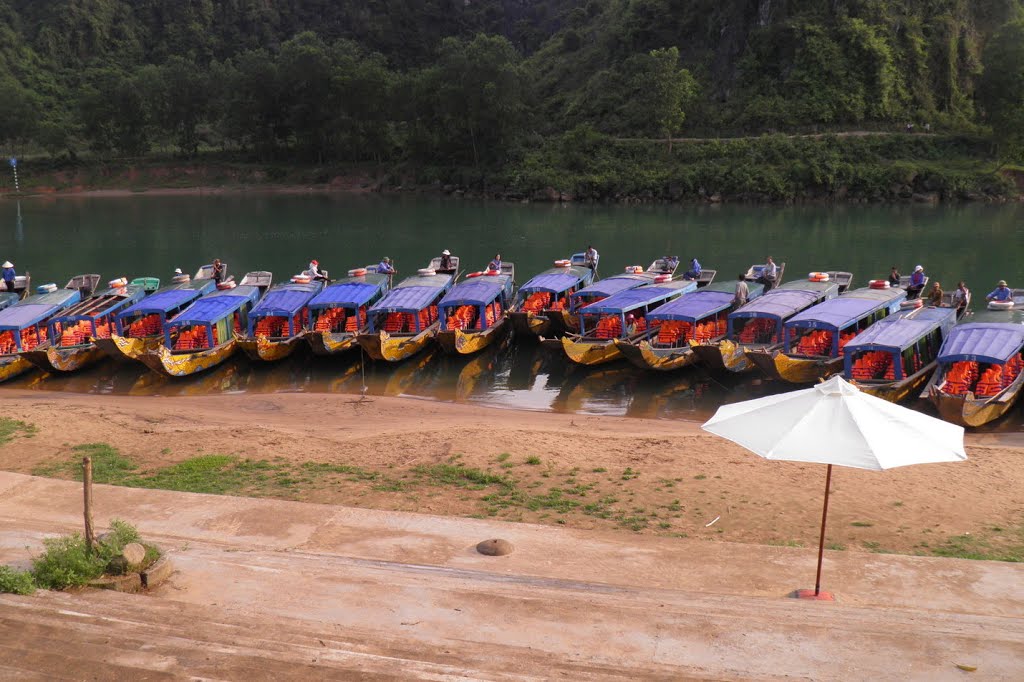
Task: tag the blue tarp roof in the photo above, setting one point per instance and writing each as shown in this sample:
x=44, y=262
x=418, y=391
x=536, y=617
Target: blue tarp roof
x=115, y=299
x=778, y=304
x=407, y=299
x=60, y=297
x=982, y=342
x=553, y=281
x=693, y=307
x=630, y=299
x=215, y=306
x=897, y=332
x=25, y=315
x=161, y=302
x=612, y=285
x=346, y=295
x=838, y=313
x=476, y=291
x=284, y=300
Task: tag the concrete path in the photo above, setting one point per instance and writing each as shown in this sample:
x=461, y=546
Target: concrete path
x=268, y=589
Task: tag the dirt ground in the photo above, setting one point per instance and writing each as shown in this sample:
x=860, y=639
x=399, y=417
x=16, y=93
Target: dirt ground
x=652, y=477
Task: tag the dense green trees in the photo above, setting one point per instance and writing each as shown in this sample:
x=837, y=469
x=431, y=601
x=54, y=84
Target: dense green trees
x=1002, y=90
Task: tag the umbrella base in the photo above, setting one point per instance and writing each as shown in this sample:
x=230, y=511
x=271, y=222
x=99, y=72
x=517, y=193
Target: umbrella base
x=809, y=594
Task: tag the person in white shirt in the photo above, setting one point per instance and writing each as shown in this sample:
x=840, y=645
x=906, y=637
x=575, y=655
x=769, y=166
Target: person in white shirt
x=742, y=292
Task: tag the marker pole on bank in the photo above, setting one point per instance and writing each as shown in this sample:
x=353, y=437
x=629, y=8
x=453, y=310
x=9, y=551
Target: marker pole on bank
x=14, y=167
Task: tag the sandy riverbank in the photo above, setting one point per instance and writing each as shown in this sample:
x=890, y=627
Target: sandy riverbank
x=655, y=477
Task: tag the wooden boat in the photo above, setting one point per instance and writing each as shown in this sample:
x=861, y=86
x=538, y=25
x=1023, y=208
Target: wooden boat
x=71, y=343
x=338, y=314
x=895, y=357
x=979, y=377
x=278, y=323
x=813, y=340
x=24, y=325
x=537, y=310
x=753, y=274
x=205, y=334
x=406, y=319
x=473, y=311
x=605, y=321
x=758, y=324
x=701, y=315
x=140, y=327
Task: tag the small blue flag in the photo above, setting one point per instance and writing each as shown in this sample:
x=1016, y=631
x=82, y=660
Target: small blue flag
x=14, y=162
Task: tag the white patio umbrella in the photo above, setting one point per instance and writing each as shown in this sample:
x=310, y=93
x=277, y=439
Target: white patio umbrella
x=835, y=423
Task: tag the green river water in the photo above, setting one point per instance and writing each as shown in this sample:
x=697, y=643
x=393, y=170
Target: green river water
x=55, y=238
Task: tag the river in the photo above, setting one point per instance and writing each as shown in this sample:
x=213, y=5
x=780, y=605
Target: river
x=55, y=238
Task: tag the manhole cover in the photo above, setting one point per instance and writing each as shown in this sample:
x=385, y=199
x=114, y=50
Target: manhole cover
x=495, y=547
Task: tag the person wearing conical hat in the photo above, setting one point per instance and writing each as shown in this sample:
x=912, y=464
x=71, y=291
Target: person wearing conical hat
x=9, y=275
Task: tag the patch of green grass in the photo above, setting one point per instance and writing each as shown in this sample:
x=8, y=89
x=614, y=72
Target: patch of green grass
x=12, y=428
x=699, y=477
x=629, y=474
x=502, y=457
x=868, y=544
x=462, y=476
x=897, y=503
x=836, y=546
x=862, y=524
x=13, y=581
x=599, y=470
x=533, y=460
x=67, y=561
x=968, y=546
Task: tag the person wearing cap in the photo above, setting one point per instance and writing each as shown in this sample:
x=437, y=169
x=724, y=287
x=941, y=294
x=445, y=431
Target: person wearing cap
x=447, y=265
x=385, y=267
x=218, y=271
x=1000, y=293
x=935, y=295
x=177, y=271
x=495, y=263
x=9, y=275
x=916, y=282
x=314, y=271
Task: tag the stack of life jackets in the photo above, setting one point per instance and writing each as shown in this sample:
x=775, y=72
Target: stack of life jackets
x=462, y=317
x=874, y=364
x=536, y=302
x=815, y=342
x=758, y=330
x=960, y=377
x=673, y=332
x=144, y=326
x=76, y=334
x=195, y=338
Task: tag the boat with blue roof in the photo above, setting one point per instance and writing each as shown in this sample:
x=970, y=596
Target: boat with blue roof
x=339, y=313
x=205, y=334
x=473, y=311
x=698, y=316
x=72, y=334
x=406, y=318
x=24, y=323
x=759, y=323
x=813, y=340
x=895, y=357
x=539, y=303
x=621, y=316
x=278, y=323
x=979, y=374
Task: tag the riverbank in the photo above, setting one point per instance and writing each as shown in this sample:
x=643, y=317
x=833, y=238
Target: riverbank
x=584, y=166
x=652, y=477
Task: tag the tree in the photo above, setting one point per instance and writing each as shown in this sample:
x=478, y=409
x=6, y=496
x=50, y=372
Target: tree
x=19, y=113
x=670, y=89
x=178, y=96
x=1001, y=91
x=114, y=113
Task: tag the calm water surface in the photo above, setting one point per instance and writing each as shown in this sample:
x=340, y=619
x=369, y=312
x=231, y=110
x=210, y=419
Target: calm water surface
x=151, y=235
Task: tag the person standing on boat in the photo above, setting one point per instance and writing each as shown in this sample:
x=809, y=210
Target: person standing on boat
x=591, y=257
x=385, y=267
x=218, y=271
x=9, y=275
x=495, y=264
x=894, y=277
x=447, y=265
x=935, y=295
x=694, y=271
x=769, y=275
x=742, y=291
x=961, y=297
x=1000, y=293
x=916, y=282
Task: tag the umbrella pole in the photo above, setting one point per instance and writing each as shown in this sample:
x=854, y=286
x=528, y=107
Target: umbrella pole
x=821, y=540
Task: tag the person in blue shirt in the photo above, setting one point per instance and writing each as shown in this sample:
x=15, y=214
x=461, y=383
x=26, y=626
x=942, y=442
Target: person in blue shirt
x=496, y=263
x=385, y=267
x=1000, y=293
x=694, y=271
x=9, y=275
x=916, y=282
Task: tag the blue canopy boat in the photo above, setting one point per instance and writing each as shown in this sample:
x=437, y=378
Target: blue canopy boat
x=140, y=327
x=72, y=334
x=205, y=334
x=701, y=315
x=758, y=324
x=406, y=318
x=895, y=356
x=338, y=314
x=23, y=326
x=620, y=316
x=813, y=340
x=473, y=312
x=979, y=373
x=539, y=302
x=279, y=321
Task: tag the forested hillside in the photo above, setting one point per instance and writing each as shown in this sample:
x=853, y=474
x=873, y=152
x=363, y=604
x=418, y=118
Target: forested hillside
x=493, y=86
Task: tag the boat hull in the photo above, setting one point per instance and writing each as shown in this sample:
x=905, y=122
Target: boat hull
x=645, y=355
x=897, y=391
x=794, y=370
x=184, y=364
x=590, y=352
x=383, y=346
x=545, y=323
x=124, y=348
x=322, y=343
x=966, y=410
x=722, y=355
x=12, y=366
x=53, y=359
x=265, y=350
x=459, y=342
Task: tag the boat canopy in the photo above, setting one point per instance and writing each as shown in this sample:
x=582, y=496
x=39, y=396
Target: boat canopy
x=349, y=294
x=101, y=304
x=631, y=299
x=897, y=333
x=412, y=295
x=286, y=300
x=476, y=291
x=161, y=302
x=839, y=313
x=778, y=304
x=992, y=342
x=216, y=306
x=612, y=285
x=35, y=309
x=693, y=307
x=555, y=281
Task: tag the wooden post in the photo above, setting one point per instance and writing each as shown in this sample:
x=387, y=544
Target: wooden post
x=821, y=539
x=90, y=535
